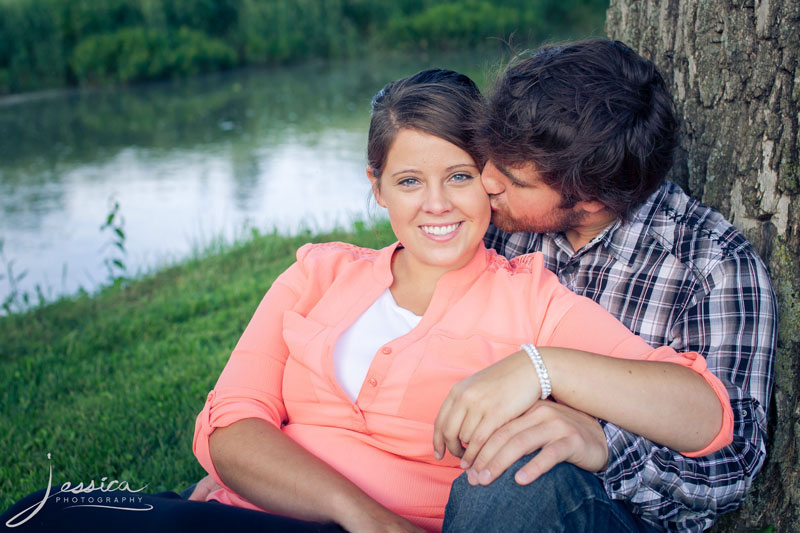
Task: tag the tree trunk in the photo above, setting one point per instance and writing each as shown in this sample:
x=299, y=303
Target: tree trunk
x=733, y=70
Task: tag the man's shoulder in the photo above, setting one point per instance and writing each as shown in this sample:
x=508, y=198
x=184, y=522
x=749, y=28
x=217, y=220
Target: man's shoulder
x=695, y=235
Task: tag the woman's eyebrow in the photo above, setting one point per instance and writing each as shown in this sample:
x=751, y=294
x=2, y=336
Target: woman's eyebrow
x=461, y=165
x=406, y=171
x=448, y=169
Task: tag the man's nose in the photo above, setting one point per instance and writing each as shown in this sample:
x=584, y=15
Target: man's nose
x=490, y=179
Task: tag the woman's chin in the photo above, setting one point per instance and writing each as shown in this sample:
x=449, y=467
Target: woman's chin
x=450, y=261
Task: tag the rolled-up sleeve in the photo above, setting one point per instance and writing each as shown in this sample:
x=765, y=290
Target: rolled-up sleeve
x=603, y=334
x=250, y=386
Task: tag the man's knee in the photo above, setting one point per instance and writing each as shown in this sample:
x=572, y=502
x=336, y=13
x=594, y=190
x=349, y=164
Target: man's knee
x=565, y=481
x=504, y=505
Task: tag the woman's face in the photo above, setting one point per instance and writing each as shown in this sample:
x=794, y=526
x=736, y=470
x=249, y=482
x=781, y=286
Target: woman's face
x=437, y=206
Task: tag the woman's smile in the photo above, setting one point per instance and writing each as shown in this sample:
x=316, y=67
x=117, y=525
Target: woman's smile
x=441, y=232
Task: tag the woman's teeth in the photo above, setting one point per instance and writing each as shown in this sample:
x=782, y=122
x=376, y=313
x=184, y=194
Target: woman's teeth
x=440, y=230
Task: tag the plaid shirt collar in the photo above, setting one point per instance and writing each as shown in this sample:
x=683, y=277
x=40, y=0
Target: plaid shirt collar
x=621, y=240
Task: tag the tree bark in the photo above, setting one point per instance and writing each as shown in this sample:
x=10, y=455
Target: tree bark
x=733, y=70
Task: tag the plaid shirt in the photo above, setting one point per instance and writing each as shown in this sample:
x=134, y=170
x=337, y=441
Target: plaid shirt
x=678, y=274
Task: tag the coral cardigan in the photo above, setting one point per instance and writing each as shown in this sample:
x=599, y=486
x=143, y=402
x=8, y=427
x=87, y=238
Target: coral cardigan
x=281, y=371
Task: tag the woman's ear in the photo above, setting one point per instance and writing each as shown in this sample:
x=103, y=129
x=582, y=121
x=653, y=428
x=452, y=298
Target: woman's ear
x=376, y=186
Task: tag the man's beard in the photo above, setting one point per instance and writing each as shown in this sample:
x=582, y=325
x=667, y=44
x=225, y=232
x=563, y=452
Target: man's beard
x=562, y=219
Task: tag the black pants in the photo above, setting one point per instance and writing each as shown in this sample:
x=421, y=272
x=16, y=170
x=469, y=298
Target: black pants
x=121, y=511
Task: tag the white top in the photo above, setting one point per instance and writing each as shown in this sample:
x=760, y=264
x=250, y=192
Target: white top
x=383, y=322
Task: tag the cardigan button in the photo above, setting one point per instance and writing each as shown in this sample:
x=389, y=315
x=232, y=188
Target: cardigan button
x=373, y=382
x=386, y=350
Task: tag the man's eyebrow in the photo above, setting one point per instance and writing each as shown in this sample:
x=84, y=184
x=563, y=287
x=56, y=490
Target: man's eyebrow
x=507, y=173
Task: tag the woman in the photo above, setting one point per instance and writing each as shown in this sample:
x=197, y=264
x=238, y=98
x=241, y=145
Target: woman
x=325, y=411
x=326, y=408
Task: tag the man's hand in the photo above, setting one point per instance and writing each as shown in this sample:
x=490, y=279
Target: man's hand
x=204, y=487
x=561, y=433
x=478, y=405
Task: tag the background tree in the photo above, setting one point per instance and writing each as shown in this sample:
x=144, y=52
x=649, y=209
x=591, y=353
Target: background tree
x=733, y=69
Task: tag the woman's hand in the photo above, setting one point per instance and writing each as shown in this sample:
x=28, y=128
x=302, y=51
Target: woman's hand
x=377, y=519
x=204, y=487
x=478, y=405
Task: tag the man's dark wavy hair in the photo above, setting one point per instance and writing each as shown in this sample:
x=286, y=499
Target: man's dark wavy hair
x=595, y=118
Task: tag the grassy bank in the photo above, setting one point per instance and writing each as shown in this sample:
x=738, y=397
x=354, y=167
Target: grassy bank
x=53, y=43
x=110, y=385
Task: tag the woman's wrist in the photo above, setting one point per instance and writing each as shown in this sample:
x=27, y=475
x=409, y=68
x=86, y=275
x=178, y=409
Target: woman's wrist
x=545, y=386
x=353, y=509
x=362, y=513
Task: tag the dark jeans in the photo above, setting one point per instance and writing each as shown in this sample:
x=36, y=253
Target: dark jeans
x=167, y=512
x=566, y=499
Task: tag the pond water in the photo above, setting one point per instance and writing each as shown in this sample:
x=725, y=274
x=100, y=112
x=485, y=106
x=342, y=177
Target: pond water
x=188, y=163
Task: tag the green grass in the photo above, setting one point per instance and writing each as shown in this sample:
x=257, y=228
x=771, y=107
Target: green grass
x=110, y=384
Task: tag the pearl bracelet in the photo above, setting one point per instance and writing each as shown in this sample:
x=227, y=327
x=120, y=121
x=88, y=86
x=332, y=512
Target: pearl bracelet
x=541, y=370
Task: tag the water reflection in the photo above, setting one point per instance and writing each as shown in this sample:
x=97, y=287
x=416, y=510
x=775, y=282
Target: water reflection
x=187, y=161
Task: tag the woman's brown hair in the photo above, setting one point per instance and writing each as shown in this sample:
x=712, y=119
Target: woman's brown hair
x=443, y=103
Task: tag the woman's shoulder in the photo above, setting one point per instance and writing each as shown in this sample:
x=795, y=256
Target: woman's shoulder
x=526, y=264
x=335, y=248
x=524, y=273
x=331, y=254
x=320, y=265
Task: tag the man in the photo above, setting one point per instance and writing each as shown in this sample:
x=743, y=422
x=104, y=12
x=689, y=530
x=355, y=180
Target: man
x=579, y=139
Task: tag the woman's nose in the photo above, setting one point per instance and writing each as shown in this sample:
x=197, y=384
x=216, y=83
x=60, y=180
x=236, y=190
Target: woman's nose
x=489, y=178
x=437, y=200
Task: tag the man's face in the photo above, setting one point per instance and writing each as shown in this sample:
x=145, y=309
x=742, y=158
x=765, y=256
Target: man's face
x=521, y=201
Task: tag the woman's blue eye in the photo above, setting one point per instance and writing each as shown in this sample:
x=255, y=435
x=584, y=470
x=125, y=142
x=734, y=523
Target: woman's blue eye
x=407, y=182
x=461, y=177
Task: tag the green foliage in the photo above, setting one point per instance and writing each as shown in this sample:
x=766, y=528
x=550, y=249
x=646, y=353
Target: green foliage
x=278, y=32
x=136, y=54
x=574, y=17
x=31, y=47
x=79, y=19
x=115, y=226
x=466, y=23
x=111, y=384
x=52, y=43
x=16, y=299
x=214, y=17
